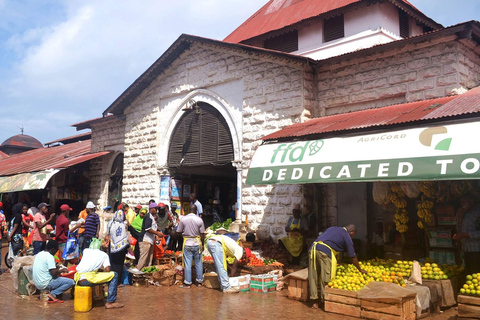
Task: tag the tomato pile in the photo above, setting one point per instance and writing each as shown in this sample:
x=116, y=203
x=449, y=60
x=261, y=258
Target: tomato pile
x=255, y=262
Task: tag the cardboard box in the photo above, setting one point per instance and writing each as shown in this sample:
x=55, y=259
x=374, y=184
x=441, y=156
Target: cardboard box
x=262, y=283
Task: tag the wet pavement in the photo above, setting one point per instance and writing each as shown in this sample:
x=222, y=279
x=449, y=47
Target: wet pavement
x=169, y=302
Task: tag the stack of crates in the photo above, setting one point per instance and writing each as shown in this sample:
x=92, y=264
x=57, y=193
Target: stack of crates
x=263, y=283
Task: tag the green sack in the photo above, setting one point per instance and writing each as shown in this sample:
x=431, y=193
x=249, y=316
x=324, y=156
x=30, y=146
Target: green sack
x=95, y=244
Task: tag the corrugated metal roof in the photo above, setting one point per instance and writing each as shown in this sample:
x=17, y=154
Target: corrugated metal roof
x=466, y=103
x=394, y=114
x=48, y=158
x=277, y=14
x=75, y=138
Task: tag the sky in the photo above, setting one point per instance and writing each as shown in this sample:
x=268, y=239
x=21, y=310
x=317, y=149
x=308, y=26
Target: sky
x=64, y=62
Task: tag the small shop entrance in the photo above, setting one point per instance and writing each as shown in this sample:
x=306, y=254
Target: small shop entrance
x=200, y=158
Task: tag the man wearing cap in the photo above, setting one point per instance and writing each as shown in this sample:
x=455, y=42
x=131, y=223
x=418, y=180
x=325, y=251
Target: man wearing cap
x=40, y=223
x=61, y=228
x=222, y=247
x=147, y=237
x=92, y=224
x=192, y=229
x=137, y=209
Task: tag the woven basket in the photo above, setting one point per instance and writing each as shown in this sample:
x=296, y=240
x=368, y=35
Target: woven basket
x=167, y=281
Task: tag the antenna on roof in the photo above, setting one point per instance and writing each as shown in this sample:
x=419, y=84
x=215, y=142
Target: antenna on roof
x=21, y=129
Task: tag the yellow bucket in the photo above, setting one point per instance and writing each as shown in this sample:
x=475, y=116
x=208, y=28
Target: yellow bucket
x=83, y=299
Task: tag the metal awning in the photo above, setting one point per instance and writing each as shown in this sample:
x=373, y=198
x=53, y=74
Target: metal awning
x=26, y=181
x=445, y=152
x=33, y=169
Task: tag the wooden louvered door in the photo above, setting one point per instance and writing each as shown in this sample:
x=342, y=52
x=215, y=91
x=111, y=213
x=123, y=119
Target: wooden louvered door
x=201, y=138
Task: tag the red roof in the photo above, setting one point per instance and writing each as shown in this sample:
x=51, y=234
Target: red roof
x=277, y=14
x=3, y=155
x=48, y=158
x=394, y=114
x=75, y=138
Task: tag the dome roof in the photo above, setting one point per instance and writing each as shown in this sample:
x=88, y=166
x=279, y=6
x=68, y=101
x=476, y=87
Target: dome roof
x=22, y=140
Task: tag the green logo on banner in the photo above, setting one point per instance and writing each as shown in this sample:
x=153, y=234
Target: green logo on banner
x=296, y=151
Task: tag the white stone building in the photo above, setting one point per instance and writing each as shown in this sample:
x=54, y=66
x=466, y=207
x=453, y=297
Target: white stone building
x=199, y=112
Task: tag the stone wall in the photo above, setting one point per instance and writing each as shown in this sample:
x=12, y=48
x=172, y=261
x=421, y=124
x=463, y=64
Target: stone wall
x=274, y=94
x=108, y=135
x=411, y=73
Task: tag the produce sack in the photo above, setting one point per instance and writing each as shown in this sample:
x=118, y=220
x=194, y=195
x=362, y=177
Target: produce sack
x=410, y=189
x=95, y=244
x=381, y=192
x=71, y=248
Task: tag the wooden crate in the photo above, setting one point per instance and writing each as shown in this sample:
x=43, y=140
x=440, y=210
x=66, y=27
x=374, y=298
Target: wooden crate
x=468, y=307
x=402, y=309
x=347, y=303
x=342, y=302
x=297, y=289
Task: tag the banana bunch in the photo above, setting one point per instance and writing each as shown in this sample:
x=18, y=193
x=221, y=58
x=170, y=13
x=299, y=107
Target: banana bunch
x=398, y=201
x=420, y=224
x=427, y=188
x=397, y=197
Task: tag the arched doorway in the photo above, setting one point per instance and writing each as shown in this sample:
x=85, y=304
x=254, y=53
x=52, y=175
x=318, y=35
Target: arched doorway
x=200, y=157
x=115, y=183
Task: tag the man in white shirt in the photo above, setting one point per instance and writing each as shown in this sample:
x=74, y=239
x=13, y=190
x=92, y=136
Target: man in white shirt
x=194, y=200
x=46, y=275
x=94, y=260
x=221, y=247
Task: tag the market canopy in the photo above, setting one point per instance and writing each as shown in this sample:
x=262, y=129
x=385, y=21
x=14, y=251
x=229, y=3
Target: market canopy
x=26, y=181
x=442, y=152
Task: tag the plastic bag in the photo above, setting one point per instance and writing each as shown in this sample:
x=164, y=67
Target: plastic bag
x=71, y=249
x=410, y=189
x=416, y=276
x=95, y=243
x=381, y=192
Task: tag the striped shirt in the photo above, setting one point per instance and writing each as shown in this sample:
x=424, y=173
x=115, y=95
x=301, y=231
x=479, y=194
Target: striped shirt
x=91, y=224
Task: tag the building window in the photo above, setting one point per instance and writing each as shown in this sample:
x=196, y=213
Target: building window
x=333, y=28
x=404, y=26
x=287, y=42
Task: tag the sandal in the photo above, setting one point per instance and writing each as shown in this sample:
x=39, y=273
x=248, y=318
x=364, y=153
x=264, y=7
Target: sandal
x=55, y=301
x=184, y=286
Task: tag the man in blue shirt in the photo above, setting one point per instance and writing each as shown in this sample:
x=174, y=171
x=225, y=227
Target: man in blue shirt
x=468, y=219
x=322, y=262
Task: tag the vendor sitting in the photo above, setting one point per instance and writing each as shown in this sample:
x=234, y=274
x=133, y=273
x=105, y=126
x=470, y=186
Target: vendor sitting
x=46, y=275
x=88, y=275
x=297, y=229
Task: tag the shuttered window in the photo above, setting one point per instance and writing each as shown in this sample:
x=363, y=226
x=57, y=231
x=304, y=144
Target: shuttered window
x=404, y=26
x=333, y=28
x=201, y=138
x=287, y=42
